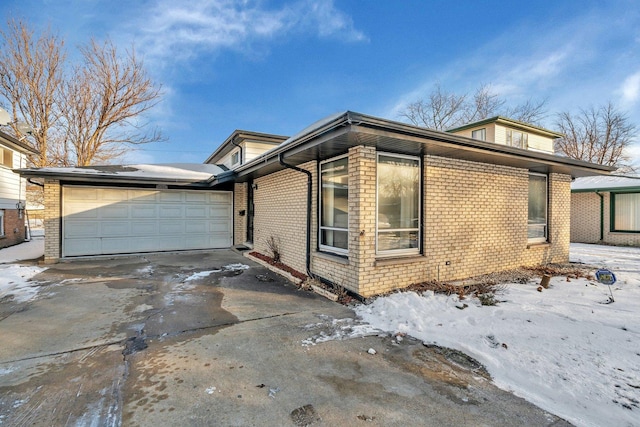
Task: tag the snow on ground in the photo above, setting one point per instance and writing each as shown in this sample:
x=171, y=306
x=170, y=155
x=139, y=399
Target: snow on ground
x=563, y=349
x=24, y=251
x=15, y=282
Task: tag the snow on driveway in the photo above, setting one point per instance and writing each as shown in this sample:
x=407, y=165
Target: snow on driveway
x=564, y=349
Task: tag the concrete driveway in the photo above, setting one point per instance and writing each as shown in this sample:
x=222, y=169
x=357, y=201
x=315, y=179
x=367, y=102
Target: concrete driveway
x=146, y=341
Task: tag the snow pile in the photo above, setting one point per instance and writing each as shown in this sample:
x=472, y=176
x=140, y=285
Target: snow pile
x=330, y=329
x=32, y=249
x=16, y=282
x=563, y=349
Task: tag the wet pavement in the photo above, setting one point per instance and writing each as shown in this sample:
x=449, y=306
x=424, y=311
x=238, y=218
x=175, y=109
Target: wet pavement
x=210, y=338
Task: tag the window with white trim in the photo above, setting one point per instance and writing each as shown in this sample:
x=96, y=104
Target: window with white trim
x=398, y=204
x=516, y=138
x=334, y=205
x=1, y=222
x=537, y=221
x=479, y=134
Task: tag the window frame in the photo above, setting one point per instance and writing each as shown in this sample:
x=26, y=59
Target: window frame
x=418, y=229
x=322, y=247
x=483, y=132
x=544, y=239
x=234, y=154
x=612, y=210
x=2, y=233
x=6, y=154
x=525, y=139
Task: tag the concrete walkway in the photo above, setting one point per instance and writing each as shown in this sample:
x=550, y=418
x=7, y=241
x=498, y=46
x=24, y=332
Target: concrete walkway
x=156, y=340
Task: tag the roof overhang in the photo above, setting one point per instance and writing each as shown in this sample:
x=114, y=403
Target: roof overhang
x=239, y=136
x=336, y=134
x=15, y=144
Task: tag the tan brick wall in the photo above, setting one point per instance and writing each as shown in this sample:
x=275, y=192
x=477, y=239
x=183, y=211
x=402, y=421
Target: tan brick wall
x=280, y=211
x=585, y=217
x=475, y=221
x=239, y=222
x=14, y=228
x=52, y=222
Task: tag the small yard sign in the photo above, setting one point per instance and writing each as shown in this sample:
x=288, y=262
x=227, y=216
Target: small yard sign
x=606, y=277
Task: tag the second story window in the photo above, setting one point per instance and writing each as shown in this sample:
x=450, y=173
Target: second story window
x=235, y=158
x=516, y=138
x=6, y=157
x=479, y=134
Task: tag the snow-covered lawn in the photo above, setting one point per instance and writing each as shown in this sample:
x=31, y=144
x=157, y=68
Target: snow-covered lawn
x=563, y=349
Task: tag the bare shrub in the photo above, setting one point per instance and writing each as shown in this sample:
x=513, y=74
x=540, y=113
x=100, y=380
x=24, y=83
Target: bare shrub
x=273, y=245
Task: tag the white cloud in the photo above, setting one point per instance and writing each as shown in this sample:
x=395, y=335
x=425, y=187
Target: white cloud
x=630, y=90
x=180, y=30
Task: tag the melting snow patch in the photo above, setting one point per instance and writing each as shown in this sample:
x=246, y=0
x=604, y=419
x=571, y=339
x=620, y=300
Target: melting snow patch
x=338, y=329
x=235, y=267
x=200, y=275
x=17, y=282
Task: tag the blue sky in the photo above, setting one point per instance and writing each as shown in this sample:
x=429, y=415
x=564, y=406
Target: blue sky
x=276, y=66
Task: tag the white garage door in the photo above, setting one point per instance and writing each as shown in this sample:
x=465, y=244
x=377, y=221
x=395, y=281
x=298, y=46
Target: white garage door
x=99, y=221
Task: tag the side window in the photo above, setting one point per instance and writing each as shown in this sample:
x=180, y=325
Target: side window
x=334, y=205
x=1, y=222
x=479, y=134
x=235, y=158
x=537, y=224
x=6, y=157
x=625, y=212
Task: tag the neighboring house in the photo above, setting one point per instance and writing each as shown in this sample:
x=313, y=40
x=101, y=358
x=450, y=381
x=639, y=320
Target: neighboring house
x=359, y=201
x=606, y=209
x=505, y=131
x=13, y=154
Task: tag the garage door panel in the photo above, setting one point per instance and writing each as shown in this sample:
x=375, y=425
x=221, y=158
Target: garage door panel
x=115, y=228
x=171, y=227
x=170, y=211
x=144, y=211
x=146, y=228
x=195, y=227
x=77, y=247
x=112, y=220
x=82, y=229
x=115, y=211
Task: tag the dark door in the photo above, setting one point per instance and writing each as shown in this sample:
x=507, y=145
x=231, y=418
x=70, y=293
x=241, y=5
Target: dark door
x=250, y=213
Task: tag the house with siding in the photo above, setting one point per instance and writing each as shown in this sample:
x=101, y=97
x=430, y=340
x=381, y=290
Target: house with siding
x=13, y=154
x=353, y=200
x=606, y=209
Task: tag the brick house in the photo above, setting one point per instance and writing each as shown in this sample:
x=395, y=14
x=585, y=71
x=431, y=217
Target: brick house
x=13, y=154
x=606, y=209
x=357, y=201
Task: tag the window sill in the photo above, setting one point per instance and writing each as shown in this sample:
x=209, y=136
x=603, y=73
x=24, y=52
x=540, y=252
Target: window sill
x=406, y=259
x=538, y=245
x=332, y=257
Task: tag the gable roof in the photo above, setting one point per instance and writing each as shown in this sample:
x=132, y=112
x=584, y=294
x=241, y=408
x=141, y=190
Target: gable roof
x=605, y=183
x=506, y=121
x=16, y=145
x=242, y=135
x=337, y=133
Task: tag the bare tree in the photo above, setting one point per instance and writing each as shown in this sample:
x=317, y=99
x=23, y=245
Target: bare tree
x=599, y=135
x=31, y=75
x=107, y=96
x=444, y=110
x=81, y=114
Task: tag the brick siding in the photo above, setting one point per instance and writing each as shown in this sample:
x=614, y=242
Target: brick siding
x=14, y=228
x=585, y=221
x=52, y=221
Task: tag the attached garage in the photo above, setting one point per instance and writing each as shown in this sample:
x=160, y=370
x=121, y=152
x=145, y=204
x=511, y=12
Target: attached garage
x=103, y=221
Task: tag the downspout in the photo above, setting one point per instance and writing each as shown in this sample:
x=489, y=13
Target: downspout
x=601, y=215
x=309, y=201
x=233, y=141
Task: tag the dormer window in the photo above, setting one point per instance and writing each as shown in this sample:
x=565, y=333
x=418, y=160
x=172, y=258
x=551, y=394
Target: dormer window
x=479, y=134
x=516, y=138
x=235, y=158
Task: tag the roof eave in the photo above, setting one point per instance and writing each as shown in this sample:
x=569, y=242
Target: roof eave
x=89, y=178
